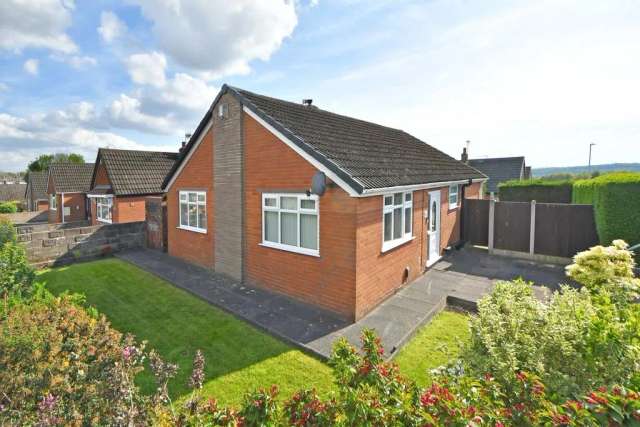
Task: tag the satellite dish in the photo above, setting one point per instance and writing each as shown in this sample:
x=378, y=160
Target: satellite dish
x=318, y=183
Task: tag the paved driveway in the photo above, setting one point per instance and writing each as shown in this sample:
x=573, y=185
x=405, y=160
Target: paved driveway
x=459, y=279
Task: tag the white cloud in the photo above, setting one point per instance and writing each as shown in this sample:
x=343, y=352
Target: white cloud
x=111, y=27
x=147, y=68
x=40, y=24
x=125, y=112
x=23, y=138
x=79, y=62
x=218, y=37
x=31, y=66
x=4, y=87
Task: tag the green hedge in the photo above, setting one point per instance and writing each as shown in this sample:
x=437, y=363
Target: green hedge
x=540, y=190
x=8, y=207
x=616, y=200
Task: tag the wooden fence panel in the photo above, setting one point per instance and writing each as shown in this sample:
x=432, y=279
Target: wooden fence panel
x=564, y=230
x=512, y=226
x=476, y=221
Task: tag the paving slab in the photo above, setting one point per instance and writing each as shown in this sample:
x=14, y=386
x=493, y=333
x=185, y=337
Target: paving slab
x=459, y=280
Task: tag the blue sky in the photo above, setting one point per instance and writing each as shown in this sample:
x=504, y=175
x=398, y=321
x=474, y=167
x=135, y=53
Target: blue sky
x=540, y=79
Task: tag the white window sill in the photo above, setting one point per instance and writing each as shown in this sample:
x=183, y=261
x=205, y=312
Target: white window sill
x=452, y=207
x=391, y=244
x=295, y=249
x=106, y=221
x=194, y=229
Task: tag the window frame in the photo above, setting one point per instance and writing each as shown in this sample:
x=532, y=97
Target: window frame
x=99, y=205
x=298, y=211
x=390, y=208
x=53, y=202
x=457, y=195
x=197, y=203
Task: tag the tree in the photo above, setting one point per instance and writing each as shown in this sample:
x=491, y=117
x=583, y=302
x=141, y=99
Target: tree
x=43, y=161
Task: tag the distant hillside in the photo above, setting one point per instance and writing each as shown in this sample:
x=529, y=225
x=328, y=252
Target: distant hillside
x=580, y=169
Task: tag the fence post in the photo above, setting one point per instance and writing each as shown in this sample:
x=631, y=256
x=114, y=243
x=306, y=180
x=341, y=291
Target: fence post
x=492, y=211
x=532, y=231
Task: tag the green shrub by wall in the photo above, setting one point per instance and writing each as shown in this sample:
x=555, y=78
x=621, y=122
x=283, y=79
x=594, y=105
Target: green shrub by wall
x=542, y=191
x=8, y=207
x=616, y=200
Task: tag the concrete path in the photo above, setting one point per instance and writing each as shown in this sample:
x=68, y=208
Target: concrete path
x=459, y=280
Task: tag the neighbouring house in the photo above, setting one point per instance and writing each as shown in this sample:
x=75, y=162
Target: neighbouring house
x=36, y=193
x=67, y=187
x=499, y=169
x=123, y=179
x=327, y=209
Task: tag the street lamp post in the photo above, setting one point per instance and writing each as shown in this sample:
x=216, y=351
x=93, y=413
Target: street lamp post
x=590, y=147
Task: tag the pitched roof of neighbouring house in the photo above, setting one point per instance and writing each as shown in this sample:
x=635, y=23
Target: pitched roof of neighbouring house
x=499, y=169
x=38, y=185
x=134, y=172
x=365, y=155
x=71, y=177
x=12, y=192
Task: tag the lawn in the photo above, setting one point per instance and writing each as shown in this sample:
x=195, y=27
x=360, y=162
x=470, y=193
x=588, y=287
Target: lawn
x=433, y=346
x=238, y=356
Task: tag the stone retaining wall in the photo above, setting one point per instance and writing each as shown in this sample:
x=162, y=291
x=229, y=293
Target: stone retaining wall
x=64, y=245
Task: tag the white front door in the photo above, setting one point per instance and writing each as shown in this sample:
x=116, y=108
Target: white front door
x=433, y=231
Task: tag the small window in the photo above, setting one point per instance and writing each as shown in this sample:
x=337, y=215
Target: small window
x=223, y=109
x=290, y=222
x=193, y=211
x=104, y=209
x=397, y=219
x=453, y=196
x=53, y=202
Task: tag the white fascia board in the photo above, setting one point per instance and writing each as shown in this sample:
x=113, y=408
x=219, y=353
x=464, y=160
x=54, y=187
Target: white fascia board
x=414, y=187
x=186, y=160
x=315, y=163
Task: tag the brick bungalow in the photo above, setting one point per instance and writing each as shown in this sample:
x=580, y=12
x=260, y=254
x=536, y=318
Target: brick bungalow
x=36, y=193
x=122, y=180
x=67, y=188
x=382, y=207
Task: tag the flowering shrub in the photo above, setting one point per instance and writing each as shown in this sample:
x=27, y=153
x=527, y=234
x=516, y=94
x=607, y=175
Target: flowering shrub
x=59, y=365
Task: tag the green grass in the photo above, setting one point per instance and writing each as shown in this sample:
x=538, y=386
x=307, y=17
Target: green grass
x=433, y=345
x=238, y=357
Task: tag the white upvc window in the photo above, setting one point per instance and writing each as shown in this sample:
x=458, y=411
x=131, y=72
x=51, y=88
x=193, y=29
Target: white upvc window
x=104, y=209
x=453, y=196
x=193, y=211
x=397, y=219
x=53, y=202
x=291, y=222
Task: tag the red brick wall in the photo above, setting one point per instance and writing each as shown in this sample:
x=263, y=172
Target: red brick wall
x=42, y=205
x=473, y=191
x=328, y=280
x=76, y=203
x=380, y=274
x=128, y=209
x=449, y=220
x=54, y=215
x=196, y=175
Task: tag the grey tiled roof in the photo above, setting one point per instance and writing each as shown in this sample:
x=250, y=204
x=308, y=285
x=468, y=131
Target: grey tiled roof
x=38, y=185
x=11, y=192
x=71, y=177
x=499, y=169
x=134, y=172
x=365, y=155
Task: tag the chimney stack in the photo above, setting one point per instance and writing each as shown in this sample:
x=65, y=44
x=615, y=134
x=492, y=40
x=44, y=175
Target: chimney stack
x=307, y=102
x=187, y=136
x=464, y=158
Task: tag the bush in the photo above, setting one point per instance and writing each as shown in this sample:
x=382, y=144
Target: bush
x=61, y=366
x=8, y=207
x=616, y=201
x=540, y=190
x=577, y=341
x=7, y=232
x=16, y=274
